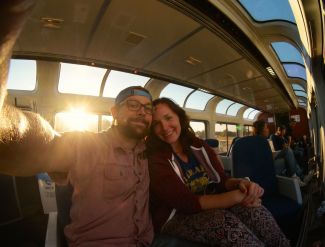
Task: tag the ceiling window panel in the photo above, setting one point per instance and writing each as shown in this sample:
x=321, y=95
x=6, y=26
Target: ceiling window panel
x=266, y=10
x=223, y=105
x=295, y=70
x=117, y=81
x=301, y=93
x=247, y=112
x=80, y=79
x=22, y=75
x=253, y=114
x=233, y=109
x=176, y=92
x=198, y=100
x=297, y=87
x=287, y=52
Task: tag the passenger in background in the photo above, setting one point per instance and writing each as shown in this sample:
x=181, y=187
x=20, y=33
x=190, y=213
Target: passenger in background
x=285, y=162
x=192, y=197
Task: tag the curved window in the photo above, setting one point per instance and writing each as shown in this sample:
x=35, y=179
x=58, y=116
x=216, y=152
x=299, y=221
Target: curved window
x=223, y=105
x=22, y=75
x=247, y=112
x=80, y=79
x=295, y=70
x=253, y=114
x=198, y=100
x=176, y=92
x=297, y=87
x=266, y=10
x=117, y=81
x=233, y=109
x=287, y=52
x=301, y=93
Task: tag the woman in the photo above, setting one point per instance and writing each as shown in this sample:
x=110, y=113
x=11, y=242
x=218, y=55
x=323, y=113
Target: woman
x=191, y=195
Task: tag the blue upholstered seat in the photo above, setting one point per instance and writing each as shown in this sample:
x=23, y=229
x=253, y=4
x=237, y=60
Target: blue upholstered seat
x=252, y=157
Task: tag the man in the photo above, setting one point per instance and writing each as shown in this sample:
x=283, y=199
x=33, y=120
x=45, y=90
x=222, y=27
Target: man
x=108, y=171
x=282, y=154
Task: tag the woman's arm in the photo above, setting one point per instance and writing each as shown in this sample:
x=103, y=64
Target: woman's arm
x=223, y=200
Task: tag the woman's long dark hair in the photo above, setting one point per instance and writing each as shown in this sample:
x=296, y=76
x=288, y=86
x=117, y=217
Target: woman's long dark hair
x=187, y=134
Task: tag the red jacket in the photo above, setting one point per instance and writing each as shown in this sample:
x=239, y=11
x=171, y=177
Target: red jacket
x=168, y=193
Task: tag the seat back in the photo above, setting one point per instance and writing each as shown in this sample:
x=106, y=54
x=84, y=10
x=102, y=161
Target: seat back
x=252, y=157
x=63, y=200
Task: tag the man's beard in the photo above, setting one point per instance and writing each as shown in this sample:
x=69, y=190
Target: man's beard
x=131, y=131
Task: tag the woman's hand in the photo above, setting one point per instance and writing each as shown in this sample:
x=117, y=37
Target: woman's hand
x=252, y=190
x=254, y=204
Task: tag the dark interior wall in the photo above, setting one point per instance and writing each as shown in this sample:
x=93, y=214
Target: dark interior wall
x=299, y=129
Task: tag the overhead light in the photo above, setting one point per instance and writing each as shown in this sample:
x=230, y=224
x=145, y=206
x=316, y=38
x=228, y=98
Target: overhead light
x=49, y=22
x=192, y=61
x=271, y=71
x=135, y=38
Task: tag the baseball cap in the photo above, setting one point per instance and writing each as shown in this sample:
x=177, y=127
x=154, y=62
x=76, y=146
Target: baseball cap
x=131, y=91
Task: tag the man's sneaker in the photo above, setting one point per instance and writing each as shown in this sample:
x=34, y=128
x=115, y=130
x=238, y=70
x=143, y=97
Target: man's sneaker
x=308, y=177
x=301, y=183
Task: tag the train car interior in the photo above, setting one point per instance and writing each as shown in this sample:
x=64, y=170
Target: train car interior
x=227, y=63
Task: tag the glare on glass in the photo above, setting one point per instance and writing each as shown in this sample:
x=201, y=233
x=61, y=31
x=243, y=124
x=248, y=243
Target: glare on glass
x=176, y=92
x=117, y=81
x=80, y=79
x=22, y=75
x=253, y=114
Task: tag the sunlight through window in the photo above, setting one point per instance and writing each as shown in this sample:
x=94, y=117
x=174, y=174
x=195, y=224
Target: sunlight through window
x=76, y=120
x=22, y=75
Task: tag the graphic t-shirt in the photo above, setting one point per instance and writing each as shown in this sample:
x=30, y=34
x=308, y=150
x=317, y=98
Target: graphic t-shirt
x=195, y=176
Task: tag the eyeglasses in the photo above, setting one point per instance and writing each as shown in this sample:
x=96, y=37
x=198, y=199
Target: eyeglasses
x=134, y=105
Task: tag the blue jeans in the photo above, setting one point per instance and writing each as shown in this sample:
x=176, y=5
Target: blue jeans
x=292, y=165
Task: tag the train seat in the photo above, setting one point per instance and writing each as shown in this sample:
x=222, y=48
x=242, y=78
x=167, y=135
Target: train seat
x=252, y=157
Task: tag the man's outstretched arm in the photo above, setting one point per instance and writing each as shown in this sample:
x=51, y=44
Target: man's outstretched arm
x=25, y=138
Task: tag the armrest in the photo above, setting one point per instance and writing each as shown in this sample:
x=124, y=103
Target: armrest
x=227, y=163
x=51, y=232
x=289, y=187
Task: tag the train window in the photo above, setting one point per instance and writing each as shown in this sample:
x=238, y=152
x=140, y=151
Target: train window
x=287, y=52
x=295, y=70
x=107, y=122
x=80, y=79
x=176, y=92
x=301, y=93
x=225, y=133
x=265, y=10
x=199, y=128
x=253, y=114
x=233, y=109
x=297, y=87
x=248, y=130
x=223, y=105
x=22, y=75
x=75, y=120
x=198, y=100
x=221, y=136
x=250, y=113
x=117, y=80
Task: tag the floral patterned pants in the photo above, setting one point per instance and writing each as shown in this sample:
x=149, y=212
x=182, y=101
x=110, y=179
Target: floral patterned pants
x=236, y=226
